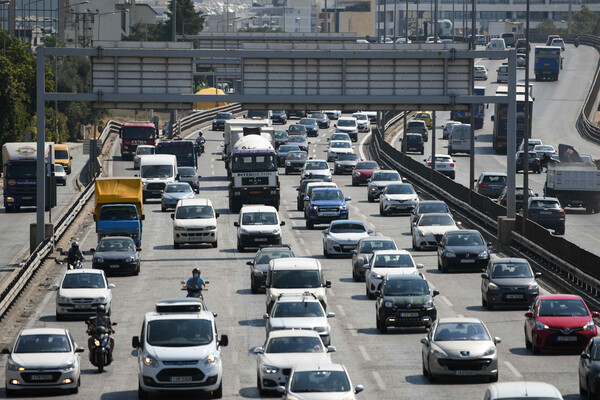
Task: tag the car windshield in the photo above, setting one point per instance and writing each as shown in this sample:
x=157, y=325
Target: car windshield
x=449, y=331
x=61, y=154
x=186, y=172
x=544, y=204
x=278, y=112
x=494, y=179
x=347, y=227
x=52, y=343
x=298, y=309
x=428, y=208
x=341, y=145
x=142, y=150
x=194, y=212
x=436, y=220
x=294, y=344
x=83, y=281
x=346, y=122
x=393, y=261
x=465, y=239
x=318, y=195
x=399, y=189
x=296, y=279
x=265, y=256
x=386, y=176
x=423, y=115
x=348, y=157
x=479, y=68
x=511, y=270
x=224, y=116
x=316, y=165
x=543, y=148
x=415, y=124
x=286, y=148
x=259, y=218
x=361, y=117
x=178, y=188
x=319, y=381
x=58, y=168
x=319, y=116
x=340, y=136
x=406, y=287
x=297, y=139
x=367, y=165
x=126, y=245
x=308, y=121
x=156, y=171
x=297, y=155
x=253, y=162
x=280, y=135
x=179, y=332
x=369, y=246
x=563, y=308
x=297, y=128
x=118, y=213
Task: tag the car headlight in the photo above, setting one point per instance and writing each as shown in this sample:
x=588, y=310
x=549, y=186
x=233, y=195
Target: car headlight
x=388, y=304
x=287, y=163
x=211, y=227
x=449, y=254
x=372, y=188
x=130, y=260
x=493, y=286
x=70, y=365
x=13, y=366
x=321, y=329
x=275, y=231
x=541, y=326
x=343, y=207
x=356, y=173
x=211, y=359
x=533, y=286
x=589, y=326
x=100, y=260
x=422, y=234
x=314, y=208
x=376, y=276
x=100, y=299
x=243, y=230
x=63, y=299
x=437, y=351
x=332, y=242
x=149, y=361
x=428, y=304
x=267, y=369
x=483, y=254
x=489, y=352
x=179, y=228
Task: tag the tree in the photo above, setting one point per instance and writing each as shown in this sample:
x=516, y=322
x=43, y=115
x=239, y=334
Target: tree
x=189, y=21
x=584, y=21
x=547, y=27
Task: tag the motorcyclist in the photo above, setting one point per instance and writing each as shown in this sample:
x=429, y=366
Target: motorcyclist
x=195, y=284
x=101, y=319
x=200, y=140
x=74, y=254
x=576, y=40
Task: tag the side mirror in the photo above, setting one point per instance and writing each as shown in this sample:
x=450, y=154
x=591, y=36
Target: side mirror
x=79, y=350
x=377, y=293
x=328, y=284
x=435, y=293
x=330, y=315
x=282, y=223
x=331, y=349
x=325, y=231
x=70, y=157
x=584, y=355
x=537, y=274
x=348, y=198
x=280, y=389
x=143, y=217
x=459, y=223
x=595, y=314
x=250, y=263
x=497, y=340
x=485, y=275
x=258, y=350
x=53, y=287
x=5, y=351
x=114, y=323
x=492, y=118
x=488, y=243
x=217, y=215
x=92, y=250
x=335, y=125
x=358, y=388
x=370, y=231
x=236, y=224
x=306, y=198
x=111, y=286
x=425, y=341
x=266, y=316
x=420, y=266
x=135, y=342
x=529, y=314
x=172, y=216
x=138, y=249
x=224, y=340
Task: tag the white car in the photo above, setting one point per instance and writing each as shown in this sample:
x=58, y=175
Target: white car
x=403, y=40
x=431, y=39
x=299, y=312
x=43, y=358
x=379, y=180
x=283, y=350
x=258, y=225
x=81, y=291
x=480, y=72
x=364, y=123
x=60, y=175
x=388, y=262
x=558, y=42
x=430, y=228
x=398, y=197
x=194, y=221
x=337, y=148
x=332, y=114
x=444, y=164
x=140, y=151
x=522, y=390
x=316, y=382
x=316, y=169
x=531, y=144
x=342, y=237
x=448, y=129
x=544, y=148
x=348, y=125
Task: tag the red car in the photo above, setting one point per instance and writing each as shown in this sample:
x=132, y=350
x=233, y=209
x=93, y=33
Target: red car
x=559, y=321
x=363, y=171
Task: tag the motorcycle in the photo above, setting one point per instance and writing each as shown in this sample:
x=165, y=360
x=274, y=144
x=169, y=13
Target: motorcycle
x=195, y=292
x=74, y=264
x=200, y=145
x=100, y=355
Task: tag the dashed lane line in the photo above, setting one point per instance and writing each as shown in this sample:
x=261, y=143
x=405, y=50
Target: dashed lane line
x=364, y=353
x=378, y=380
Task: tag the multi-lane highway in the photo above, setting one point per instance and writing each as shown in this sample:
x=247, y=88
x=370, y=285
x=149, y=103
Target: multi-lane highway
x=14, y=227
x=388, y=365
x=555, y=110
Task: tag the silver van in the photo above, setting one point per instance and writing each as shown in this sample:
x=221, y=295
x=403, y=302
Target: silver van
x=460, y=139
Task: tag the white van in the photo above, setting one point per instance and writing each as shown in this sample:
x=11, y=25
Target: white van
x=156, y=171
x=502, y=73
x=460, y=139
x=496, y=44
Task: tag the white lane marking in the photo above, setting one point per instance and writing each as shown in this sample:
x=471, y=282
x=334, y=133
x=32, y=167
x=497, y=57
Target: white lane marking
x=302, y=242
x=379, y=381
x=351, y=329
x=445, y=300
x=341, y=310
x=512, y=369
x=361, y=145
x=364, y=353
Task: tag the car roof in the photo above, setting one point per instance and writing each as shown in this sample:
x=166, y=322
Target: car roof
x=432, y=202
x=377, y=238
x=347, y=118
x=386, y=170
x=318, y=184
x=527, y=389
x=322, y=189
x=461, y=230
x=314, y=367
x=385, y=252
x=416, y=120
x=194, y=202
x=84, y=271
x=295, y=262
x=413, y=277
x=459, y=320
x=535, y=198
x=116, y=237
x=206, y=315
x=508, y=260
x=257, y=208
x=43, y=331
x=560, y=297
x=295, y=297
x=318, y=159
x=493, y=174
x=436, y=214
x=347, y=221
x=292, y=333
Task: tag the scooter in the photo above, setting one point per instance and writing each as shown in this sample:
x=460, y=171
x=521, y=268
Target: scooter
x=100, y=355
x=200, y=145
x=74, y=265
x=195, y=292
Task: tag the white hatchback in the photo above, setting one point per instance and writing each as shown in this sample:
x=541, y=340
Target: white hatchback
x=430, y=228
x=194, y=221
x=444, y=164
x=81, y=291
x=258, y=225
x=388, y=262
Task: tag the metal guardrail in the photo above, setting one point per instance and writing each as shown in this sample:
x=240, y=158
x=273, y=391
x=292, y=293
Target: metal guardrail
x=200, y=117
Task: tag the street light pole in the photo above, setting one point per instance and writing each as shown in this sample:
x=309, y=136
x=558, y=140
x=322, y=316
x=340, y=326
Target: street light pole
x=4, y=21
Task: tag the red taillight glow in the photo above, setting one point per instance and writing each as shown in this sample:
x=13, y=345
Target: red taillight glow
x=559, y=212
x=484, y=185
x=452, y=164
x=429, y=164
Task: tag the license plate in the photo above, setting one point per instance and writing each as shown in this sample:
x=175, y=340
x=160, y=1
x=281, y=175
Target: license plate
x=181, y=379
x=467, y=372
x=84, y=306
x=467, y=260
x=27, y=198
x=255, y=192
x=114, y=266
x=514, y=296
x=566, y=338
x=46, y=377
x=260, y=239
x=545, y=212
x=409, y=314
x=328, y=214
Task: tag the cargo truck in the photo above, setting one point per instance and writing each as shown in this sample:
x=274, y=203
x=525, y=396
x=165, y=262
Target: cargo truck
x=548, y=63
x=184, y=150
x=233, y=132
x=119, y=208
x=465, y=116
x=574, y=183
x=134, y=134
x=19, y=166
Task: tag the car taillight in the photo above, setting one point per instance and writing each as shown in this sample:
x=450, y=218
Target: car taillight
x=484, y=185
x=531, y=212
x=559, y=211
x=537, y=160
x=452, y=164
x=429, y=164
x=518, y=161
x=505, y=198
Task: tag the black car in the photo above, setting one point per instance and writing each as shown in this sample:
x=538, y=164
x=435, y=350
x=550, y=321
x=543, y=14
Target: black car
x=345, y=163
x=280, y=137
x=405, y=301
x=302, y=192
x=299, y=141
x=219, y=121
x=463, y=249
x=508, y=282
x=279, y=117
x=518, y=197
x=414, y=143
x=283, y=151
x=589, y=369
x=361, y=256
x=312, y=127
x=322, y=120
x=547, y=212
x=296, y=113
x=116, y=255
x=535, y=164
x=260, y=264
x=295, y=160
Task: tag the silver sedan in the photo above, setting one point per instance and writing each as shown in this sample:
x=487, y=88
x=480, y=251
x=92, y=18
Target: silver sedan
x=174, y=192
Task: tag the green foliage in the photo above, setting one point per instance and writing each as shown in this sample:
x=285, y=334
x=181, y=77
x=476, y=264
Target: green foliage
x=547, y=27
x=584, y=21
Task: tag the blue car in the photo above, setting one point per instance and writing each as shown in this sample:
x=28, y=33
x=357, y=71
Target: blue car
x=325, y=205
x=312, y=126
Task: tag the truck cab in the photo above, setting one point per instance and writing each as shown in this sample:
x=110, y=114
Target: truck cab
x=156, y=172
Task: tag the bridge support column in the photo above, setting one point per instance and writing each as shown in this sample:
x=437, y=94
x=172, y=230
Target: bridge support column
x=505, y=227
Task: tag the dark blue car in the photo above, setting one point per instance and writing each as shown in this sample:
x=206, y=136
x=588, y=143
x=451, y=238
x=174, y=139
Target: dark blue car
x=312, y=127
x=325, y=205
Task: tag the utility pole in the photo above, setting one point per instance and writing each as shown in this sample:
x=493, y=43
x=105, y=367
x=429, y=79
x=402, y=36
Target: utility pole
x=173, y=116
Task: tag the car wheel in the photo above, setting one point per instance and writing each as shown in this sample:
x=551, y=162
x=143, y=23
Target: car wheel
x=60, y=317
x=137, y=271
x=163, y=208
x=253, y=287
x=299, y=205
x=215, y=244
x=452, y=175
x=425, y=373
x=484, y=302
x=217, y=394
x=414, y=245
x=369, y=295
x=430, y=376
x=309, y=225
x=560, y=231
x=326, y=253
x=444, y=269
x=535, y=349
x=11, y=392
x=381, y=326
x=583, y=390
x=354, y=275
x=176, y=245
x=527, y=341
x=142, y=394
x=240, y=248
x=490, y=306
x=371, y=199
x=261, y=391
x=591, y=395
x=381, y=210
x=494, y=378
x=354, y=183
